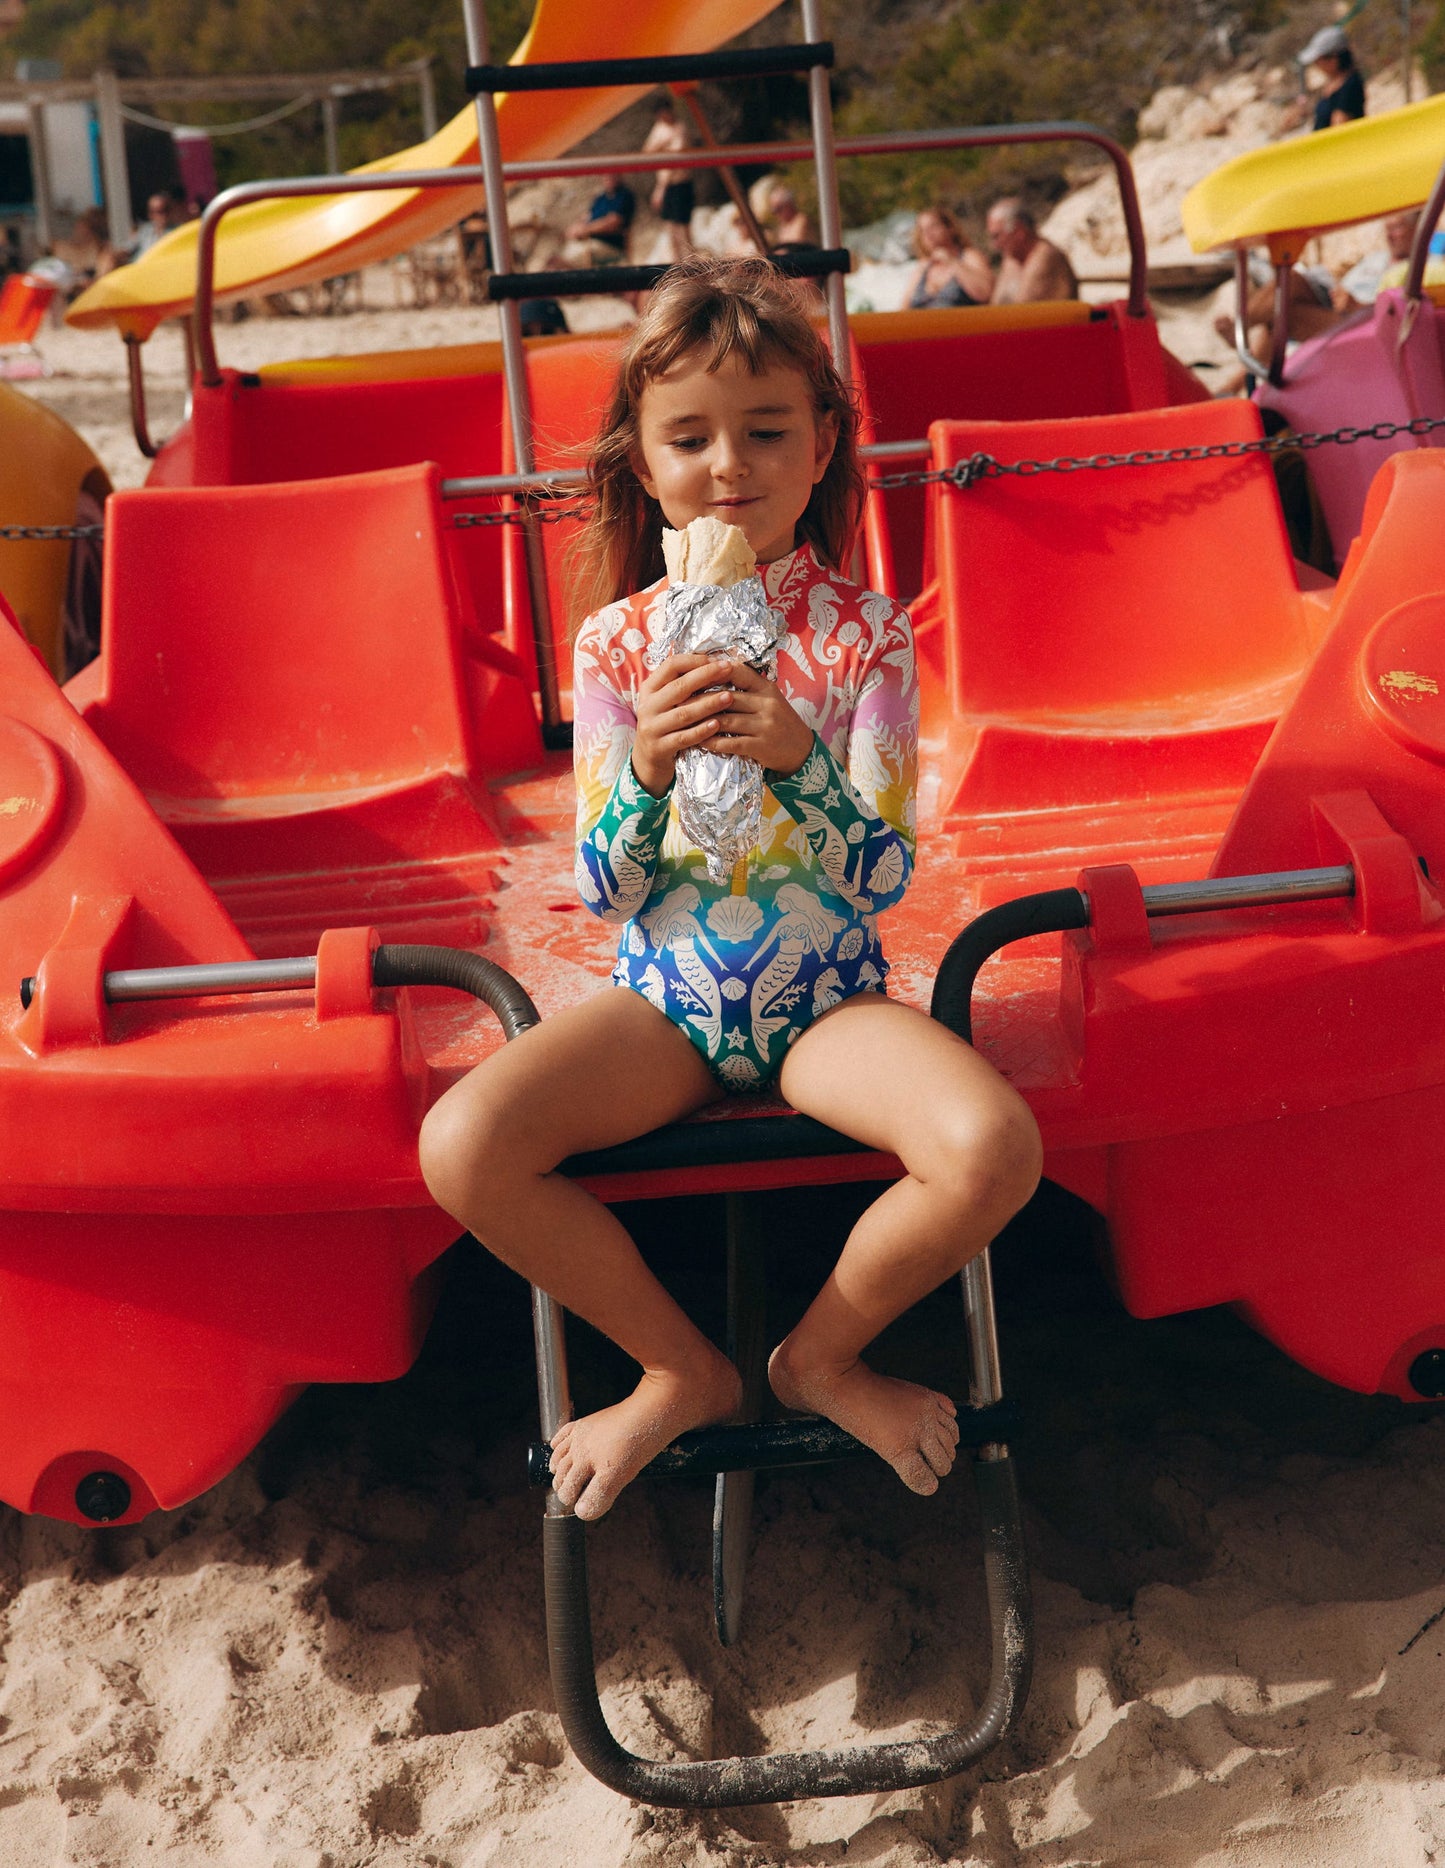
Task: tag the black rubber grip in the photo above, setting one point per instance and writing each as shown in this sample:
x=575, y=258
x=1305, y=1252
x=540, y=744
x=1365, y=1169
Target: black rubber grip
x=401, y=965
x=592, y=281
x=1051, y=911
x=762, y=61
x=769, y=1446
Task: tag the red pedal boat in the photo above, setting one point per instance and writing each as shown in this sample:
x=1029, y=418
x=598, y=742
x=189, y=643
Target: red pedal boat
x=1204, y=797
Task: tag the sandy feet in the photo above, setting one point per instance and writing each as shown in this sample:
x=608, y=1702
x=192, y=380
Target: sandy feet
x=913, y=1428
x=593, y=1458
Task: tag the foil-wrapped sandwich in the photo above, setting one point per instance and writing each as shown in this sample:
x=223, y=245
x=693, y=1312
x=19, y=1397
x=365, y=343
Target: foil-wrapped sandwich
x=716, y=605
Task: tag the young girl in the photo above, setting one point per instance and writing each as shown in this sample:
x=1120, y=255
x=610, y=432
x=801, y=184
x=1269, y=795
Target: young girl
x=727, y=404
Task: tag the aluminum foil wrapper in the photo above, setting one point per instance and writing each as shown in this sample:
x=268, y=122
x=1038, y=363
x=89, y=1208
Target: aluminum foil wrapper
x=720, y=798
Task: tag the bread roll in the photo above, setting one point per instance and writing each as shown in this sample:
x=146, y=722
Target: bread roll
x=708, y=552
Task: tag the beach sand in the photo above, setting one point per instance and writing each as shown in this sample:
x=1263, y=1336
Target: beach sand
x=335, y=1659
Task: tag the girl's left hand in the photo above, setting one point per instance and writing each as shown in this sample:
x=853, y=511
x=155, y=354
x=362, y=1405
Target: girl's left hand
x=760, y=724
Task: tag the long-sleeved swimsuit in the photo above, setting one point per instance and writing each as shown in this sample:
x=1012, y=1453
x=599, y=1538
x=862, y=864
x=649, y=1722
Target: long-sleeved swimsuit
x=744, y=967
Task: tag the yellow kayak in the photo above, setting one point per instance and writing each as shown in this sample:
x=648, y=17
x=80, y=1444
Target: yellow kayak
x=1332, y=178
x=275, y=246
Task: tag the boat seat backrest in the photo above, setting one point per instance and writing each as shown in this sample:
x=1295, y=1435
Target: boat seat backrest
x=1113, y=591
x=318, y=422
x=570, y=384
x=999, y=363
x=282, y=639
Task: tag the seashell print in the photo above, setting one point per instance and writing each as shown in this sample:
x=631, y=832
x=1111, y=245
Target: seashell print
x=851, y=944
x=887, y=871
x=734, y=988
x=734, y=918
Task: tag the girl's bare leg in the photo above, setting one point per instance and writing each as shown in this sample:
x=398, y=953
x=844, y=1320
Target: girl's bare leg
x=887, y=1075
x=599, y=1073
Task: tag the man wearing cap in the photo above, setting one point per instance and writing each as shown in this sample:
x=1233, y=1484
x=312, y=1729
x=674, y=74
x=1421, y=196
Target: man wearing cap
x=1342, y=97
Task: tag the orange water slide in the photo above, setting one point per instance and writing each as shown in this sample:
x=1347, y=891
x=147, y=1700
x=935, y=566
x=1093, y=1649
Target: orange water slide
x=275, y=246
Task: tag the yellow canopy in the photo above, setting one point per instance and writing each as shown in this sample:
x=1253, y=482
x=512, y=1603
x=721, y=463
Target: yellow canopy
x=274, y=246
x=1329, y=179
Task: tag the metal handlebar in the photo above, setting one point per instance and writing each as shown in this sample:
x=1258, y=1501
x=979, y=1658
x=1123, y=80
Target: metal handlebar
x=1054, y=911
x=893, y=142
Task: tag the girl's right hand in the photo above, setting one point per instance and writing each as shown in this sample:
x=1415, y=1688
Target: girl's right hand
x=674, y=713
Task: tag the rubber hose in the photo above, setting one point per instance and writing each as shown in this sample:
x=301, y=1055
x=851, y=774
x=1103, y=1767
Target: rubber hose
x=1051, y=911
x=400, y=965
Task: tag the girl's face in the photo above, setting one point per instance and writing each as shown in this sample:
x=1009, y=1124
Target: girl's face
x=737, y=447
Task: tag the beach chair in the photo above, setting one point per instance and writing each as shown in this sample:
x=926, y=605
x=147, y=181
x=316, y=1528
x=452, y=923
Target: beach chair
x=24, y=301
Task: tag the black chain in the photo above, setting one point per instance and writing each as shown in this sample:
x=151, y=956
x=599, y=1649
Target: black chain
x=51, y=531
x=964, y=474
x=517, y=515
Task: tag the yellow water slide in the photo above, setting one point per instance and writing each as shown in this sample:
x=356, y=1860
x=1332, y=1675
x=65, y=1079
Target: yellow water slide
x=274, y=246
x=1329, y=179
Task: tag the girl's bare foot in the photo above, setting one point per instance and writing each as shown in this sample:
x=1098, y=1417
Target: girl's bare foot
x=593, y=1458
x=913, y=1428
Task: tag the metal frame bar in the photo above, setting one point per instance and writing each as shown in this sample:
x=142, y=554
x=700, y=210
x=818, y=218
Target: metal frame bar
x=1420, y=245
x=896, y=142
x=849, y=1771
x=1279, y=331
x=1252, y=364
x=136, y=381
x=830, y=219
x=514, y=369
x=567, y=479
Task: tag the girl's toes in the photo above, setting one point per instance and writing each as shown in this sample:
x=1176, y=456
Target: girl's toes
x=593, y=1500
x=563, y=1434
x=916, y=1473
x=939, y=1453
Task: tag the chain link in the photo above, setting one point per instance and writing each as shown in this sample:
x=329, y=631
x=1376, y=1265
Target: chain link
x=51, y=531
x=517, y=515
x=964, y=474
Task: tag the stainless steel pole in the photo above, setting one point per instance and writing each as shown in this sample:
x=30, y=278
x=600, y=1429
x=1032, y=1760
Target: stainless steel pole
x=40, y=174
x=830, y=220
x=514, y=363
x=115, y=176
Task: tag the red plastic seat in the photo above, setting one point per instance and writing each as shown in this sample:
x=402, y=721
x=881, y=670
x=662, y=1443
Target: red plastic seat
x=24, y=301
x=292, y=675
x=311, y=421
x=570, y=384
x=1118, y=644
x=1002, y=363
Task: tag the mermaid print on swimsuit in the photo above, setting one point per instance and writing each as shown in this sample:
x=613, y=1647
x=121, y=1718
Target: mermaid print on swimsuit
x=741, y=968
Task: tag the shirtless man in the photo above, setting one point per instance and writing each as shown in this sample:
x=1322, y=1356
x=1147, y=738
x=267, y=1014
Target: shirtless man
x=1032, y=267
x=672, y=196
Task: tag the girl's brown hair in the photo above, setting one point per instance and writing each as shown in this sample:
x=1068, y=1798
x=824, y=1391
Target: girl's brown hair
x=719, y=308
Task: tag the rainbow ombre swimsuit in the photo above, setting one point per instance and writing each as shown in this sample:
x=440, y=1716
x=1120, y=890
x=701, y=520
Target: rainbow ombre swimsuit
x=743, y=967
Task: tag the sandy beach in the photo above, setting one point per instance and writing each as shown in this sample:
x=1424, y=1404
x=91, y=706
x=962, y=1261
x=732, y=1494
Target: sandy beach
x=335, y=1659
